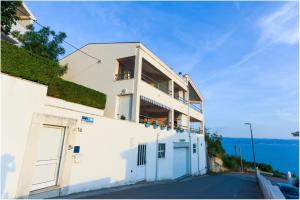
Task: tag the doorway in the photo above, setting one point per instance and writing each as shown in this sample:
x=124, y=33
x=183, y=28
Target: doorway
x=48, y=159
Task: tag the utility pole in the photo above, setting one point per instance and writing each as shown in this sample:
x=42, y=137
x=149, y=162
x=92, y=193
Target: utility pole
x=252, y=145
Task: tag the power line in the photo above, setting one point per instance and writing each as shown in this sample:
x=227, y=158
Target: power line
x=34, y=20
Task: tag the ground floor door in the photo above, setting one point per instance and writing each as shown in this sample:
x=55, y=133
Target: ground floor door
x=141, y=162
x=49, y=152
x=180, y=161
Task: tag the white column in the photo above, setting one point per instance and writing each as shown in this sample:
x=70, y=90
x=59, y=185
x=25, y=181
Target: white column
x=171, y=118
x=171, y=87
x=137, y=80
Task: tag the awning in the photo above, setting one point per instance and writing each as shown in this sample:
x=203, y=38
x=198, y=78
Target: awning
x=154, y=102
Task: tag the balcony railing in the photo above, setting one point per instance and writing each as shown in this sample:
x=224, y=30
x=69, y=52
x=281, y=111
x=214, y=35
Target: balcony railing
x=196, y=108
x=124, y=76
x=196, y=130
x=182, y=100
x=156, y=84
x=146, y=118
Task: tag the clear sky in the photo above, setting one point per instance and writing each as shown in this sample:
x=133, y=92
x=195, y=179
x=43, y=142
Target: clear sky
x=243, y=56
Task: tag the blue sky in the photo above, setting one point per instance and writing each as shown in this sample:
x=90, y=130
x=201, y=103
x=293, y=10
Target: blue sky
x=243, y=56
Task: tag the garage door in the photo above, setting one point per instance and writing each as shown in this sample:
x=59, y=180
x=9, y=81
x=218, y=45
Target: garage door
x=180, y=162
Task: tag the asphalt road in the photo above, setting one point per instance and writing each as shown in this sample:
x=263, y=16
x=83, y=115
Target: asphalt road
x=225, y=186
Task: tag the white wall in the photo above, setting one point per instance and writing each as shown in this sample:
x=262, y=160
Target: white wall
x=108, y=155
x=20, y=99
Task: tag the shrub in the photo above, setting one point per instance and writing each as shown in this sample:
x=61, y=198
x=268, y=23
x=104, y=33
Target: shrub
x=73, y=92
x=24, y=64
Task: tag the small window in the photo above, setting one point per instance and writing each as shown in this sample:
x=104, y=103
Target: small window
x=161, y=150
x=141, y=159
x=194, y=148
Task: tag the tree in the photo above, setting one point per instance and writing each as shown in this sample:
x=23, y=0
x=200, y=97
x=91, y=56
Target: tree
x=214, y=144
x=43, y=42
x=8, y=15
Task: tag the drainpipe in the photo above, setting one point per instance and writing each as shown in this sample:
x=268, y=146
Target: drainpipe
x=189, y=131
x=156, y=156
x=198, y=155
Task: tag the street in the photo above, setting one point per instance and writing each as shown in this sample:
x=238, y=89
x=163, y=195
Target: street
x=225, y=186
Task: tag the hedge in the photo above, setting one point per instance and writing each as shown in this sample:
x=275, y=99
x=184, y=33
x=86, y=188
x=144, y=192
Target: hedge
x=21, y=63
x=73, y=92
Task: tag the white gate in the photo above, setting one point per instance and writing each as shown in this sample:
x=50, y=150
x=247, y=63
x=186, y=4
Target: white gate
x=141, y=162
x=49, y=151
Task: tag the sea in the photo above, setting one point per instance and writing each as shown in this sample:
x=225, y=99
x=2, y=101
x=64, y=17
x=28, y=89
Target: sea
x=283, y=155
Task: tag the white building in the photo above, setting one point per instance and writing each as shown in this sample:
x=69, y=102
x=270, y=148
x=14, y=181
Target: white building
x=139, y=86
x=52, y=147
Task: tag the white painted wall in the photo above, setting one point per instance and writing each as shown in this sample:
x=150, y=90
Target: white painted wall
x=108, y=155
x=19, y=100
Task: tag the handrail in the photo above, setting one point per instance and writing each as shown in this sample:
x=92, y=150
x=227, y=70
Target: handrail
x=182, y=100
x=162, y=88
x=196, y=108
x=159, y=122
x=124, y=76
x=196, y=130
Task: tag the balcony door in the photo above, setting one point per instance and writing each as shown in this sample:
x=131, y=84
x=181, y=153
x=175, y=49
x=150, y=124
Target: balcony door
x=125, y=107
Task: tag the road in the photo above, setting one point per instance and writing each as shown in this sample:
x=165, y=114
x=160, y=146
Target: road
x=225, y=186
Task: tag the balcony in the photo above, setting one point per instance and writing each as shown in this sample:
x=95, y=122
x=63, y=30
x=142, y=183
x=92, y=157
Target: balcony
x=196, y=130
x=124, y=76
x=195, y=107
x=180, y=99
x=196, y=126
x=125, y=70
x=161, y=86
x=155, y=78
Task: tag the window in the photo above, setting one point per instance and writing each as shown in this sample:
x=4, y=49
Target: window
x=194, y=148
x=161, y=150
x=141, y=159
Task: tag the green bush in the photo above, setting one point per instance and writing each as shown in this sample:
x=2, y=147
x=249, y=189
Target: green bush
x=24, y=64
x=21, y=63
x=73, y=92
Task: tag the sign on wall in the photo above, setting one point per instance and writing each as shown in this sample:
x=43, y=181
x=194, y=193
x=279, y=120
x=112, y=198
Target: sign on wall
x=87, y=120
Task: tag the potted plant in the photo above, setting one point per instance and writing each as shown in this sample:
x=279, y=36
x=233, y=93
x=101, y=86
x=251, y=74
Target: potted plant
x=123, y=117
x=162, y=127
x=147, y=124
x=168, y=128
x=155, y=125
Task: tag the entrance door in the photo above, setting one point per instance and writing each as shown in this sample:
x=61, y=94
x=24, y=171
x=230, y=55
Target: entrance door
x=125, y=107
x=141, y=162
x=49, y=151
x=180, y=161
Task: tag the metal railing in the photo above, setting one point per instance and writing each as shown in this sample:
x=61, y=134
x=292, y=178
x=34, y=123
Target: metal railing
x=156, y=84
x=182, y=100
x=124, y=76
x=196, y=130
x=196, y=108
x=147, y=118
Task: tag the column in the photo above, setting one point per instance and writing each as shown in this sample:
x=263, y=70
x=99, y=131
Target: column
x=171, y=118
x=137, y=80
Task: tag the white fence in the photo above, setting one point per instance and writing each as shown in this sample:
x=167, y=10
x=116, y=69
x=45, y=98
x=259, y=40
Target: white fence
x=268, y=190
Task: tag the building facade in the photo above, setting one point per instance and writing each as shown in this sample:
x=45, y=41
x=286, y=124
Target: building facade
x=139, y=86
x=148, y=130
